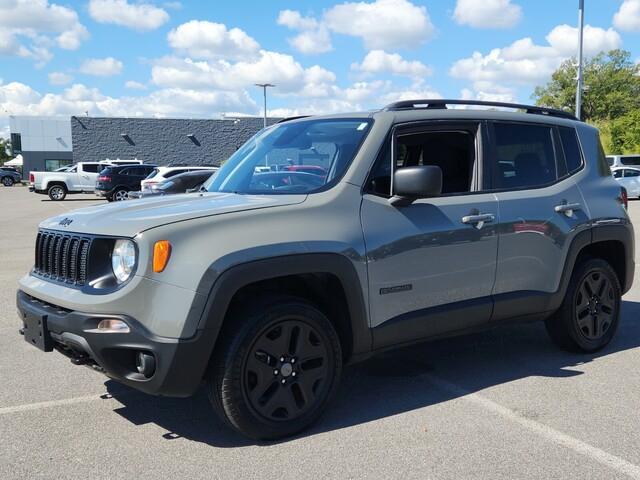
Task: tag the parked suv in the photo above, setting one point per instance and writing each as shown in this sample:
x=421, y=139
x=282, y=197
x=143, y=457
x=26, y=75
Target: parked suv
x=9, y=176
x=429, y=222
x=160, y=174
x=115, y=182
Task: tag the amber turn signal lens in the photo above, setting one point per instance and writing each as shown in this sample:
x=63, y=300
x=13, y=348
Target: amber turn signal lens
x=161, y=254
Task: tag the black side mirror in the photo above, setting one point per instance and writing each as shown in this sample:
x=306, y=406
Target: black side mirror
x=411, y=183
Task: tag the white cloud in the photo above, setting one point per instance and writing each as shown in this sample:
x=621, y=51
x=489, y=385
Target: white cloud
x=314, y=36
x=487, y=13
x=133, y=85
x=564, y=39
x=59, y=78
x=137, y=16
x=101, y=67
x=30, y=28
x=525, y=63
x=382, y=24
x=272, y=67
x=379, y=61
x=628, y=16
x=203, y=39
x=21, y=99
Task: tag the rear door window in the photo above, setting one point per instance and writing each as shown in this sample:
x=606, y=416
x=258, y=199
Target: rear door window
x=90, y=167
x=631, y=173
x=630, y=160
x=175, y=172
x=524, y=156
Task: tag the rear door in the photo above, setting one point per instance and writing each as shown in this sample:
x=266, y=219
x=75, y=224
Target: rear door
x=631, y=181
x=541, y=210
x=88, y=175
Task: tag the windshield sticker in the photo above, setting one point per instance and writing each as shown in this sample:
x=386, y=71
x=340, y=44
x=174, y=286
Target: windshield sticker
x=362, y=126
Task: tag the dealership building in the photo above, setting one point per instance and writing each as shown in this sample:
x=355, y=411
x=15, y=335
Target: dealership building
x=47, y=143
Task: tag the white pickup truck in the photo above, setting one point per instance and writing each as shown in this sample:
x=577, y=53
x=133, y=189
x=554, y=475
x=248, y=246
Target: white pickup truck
x=81, y=178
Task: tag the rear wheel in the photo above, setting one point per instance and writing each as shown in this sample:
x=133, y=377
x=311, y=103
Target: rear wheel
x=589, y=315
x=120, y=194
x=57, y=192
x=276, y=368
x=7, y=181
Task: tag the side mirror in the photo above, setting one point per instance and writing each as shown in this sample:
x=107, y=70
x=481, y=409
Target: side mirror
x=411, y=183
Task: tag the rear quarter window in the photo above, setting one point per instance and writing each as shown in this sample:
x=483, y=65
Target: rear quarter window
x=571, y=149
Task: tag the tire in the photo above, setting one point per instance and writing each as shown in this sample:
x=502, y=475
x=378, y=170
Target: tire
x=57, y=192
x=277, y=365
x=590, y=312
x=119, y=195
x=7, y=181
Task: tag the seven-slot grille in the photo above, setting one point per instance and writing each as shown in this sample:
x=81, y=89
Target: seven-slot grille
x=62, y=257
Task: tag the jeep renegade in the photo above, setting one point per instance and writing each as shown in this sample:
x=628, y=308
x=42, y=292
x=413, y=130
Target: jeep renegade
x=416, y=221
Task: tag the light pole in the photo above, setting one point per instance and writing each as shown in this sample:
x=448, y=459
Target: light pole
x=580, y=41
x=264, y=87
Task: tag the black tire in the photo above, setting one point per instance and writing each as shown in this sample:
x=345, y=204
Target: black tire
x=7, y=181
x=590, y=313
x=119, y=194
x=266, y=395
x=57, y=192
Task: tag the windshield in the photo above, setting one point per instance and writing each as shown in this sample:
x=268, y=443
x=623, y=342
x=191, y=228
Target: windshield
x=300, y=157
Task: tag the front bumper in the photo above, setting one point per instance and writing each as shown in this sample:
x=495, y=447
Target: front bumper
x=180, y=363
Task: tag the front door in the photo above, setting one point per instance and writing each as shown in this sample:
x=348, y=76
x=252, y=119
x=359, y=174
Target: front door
x=431, y=264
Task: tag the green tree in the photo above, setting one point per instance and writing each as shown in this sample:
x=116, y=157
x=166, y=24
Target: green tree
x=612, y=87
x=5, y=150
x=611, y=100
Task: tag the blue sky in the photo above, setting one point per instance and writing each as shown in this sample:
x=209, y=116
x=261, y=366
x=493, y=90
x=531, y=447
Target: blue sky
x=201, y=58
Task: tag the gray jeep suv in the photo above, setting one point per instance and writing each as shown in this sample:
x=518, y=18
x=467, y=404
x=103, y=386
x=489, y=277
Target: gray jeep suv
x=414, y=222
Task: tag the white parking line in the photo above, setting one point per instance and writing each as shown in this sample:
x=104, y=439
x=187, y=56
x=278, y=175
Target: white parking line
x=619, y=464
x=52, y=403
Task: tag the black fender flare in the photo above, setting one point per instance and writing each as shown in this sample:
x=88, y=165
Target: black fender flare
x=223, y=286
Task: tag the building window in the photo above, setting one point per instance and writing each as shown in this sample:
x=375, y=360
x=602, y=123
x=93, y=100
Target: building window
x=16, y=143
x=54, y=164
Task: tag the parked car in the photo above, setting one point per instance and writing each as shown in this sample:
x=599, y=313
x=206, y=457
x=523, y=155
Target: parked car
x=182, y=183
x=79, y=178
x=9, y=176
x=623, y=160
x=629, y=178
x=265, y=293
x=314, y=169
x=115, y=182
x=162, y=173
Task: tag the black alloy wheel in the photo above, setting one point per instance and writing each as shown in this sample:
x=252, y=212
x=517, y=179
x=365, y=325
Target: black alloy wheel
x=286, y=369
x=7, y=181
x=276, y=366
x=589, y=315
x=595, y=305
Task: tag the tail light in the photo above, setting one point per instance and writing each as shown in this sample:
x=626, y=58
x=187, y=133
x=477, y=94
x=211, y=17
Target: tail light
x=624, y=199
x=104, y=178
x=32, y=178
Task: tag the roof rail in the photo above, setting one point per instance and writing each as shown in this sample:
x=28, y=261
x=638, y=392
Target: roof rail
x=288, y=119
x=441, y=104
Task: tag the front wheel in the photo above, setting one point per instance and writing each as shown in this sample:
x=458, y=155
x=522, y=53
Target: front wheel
x=57, y=192
x=7, y=181
x=277, y=365
x=590, y=312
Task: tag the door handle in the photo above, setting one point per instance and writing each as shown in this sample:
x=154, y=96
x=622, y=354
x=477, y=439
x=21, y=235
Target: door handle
x=567, y=208
x=478, y=220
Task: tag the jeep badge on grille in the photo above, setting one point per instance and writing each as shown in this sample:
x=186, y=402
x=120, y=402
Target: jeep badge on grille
x=65, y=222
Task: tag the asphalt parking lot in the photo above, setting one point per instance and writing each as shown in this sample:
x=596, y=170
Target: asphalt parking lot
x=502, y=404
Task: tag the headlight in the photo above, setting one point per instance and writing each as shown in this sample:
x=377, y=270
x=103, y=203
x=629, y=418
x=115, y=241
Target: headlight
x=123, y=259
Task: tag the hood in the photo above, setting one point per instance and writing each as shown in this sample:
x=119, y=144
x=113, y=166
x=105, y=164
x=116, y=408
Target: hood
x=131, y=217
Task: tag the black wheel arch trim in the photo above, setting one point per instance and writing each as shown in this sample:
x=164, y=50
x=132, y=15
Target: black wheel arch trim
x=221, y=286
